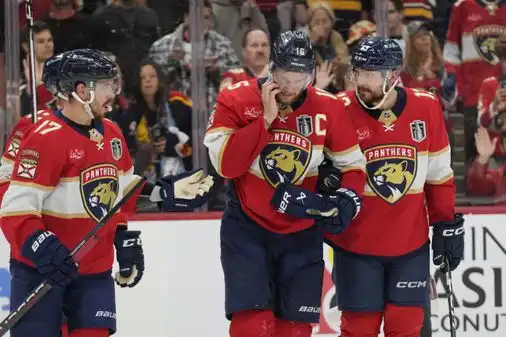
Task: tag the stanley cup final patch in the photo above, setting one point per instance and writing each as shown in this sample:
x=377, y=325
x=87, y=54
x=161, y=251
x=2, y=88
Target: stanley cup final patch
x=116, y=149
x=28, y=161
x=418, y=131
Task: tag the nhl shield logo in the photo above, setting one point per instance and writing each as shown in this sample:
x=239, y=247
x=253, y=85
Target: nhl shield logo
x=418, y=131
x=286, y=158
x=391, y=170
x=116, y=148
x=484, y=41
x=305, y=125
x=99, y=189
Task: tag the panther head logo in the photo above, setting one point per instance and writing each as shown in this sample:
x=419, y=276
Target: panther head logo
x=286, y=158
x=99, y=189
x=285, y=162
x=391, y=170
x=103, y=196
x=396, y=177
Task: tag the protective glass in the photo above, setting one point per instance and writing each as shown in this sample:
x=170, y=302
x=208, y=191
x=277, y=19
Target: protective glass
x=112, y=86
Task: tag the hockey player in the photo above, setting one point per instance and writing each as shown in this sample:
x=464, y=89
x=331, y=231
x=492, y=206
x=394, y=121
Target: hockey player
x=381, y=262
x=68, y=173
x=268, y=137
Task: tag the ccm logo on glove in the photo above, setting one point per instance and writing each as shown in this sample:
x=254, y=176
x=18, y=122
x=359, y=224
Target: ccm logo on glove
x=132, y=242
x=453, y=231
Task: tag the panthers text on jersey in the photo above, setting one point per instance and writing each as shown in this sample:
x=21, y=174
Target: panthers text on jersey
x=65, y=178
x=409, y=175
x=257, y=159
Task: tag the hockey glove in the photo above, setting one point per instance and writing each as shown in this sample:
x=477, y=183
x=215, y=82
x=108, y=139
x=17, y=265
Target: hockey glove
x=188, y=190
x=50, y=257
x=335, y=211
x=130, y=257
x=329, y=178
x=448, y=242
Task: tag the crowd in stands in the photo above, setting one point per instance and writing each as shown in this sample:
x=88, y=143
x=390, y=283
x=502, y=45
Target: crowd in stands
x=455, y=49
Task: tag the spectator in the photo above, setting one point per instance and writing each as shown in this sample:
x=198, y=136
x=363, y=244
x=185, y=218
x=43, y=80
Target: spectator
x=423, y=62
x=256, y=52
x=300, y=16
x=172, y=53
x=172, y=12
x=487, y=175
x=396, y=26
x=329, y=46
x=43, y=49
x=128, y=29
x=347, y=13
x=157, y=125
x=493, y=89
x=236, y=17
x=70, y=28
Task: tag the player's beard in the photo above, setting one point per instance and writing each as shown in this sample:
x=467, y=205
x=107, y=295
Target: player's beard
x=370, y=97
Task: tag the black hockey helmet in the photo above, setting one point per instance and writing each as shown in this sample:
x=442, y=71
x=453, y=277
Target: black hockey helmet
x=377, y=53
x=50, y=75
x=85, y=66
x=292, y=51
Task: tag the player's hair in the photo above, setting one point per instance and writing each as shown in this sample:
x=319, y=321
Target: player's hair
x=500, y=47
x=38, y=27
x=244, y=41
x=412, y=57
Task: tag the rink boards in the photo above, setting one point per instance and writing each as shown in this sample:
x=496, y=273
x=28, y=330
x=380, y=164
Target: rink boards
x=181, y=294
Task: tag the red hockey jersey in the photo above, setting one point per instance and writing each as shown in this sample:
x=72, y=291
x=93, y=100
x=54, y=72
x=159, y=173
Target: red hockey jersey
x=469, y=48
x=486, y=107
x=409, y=176
x=65, y=177
x=257, y=159
x=234, y=76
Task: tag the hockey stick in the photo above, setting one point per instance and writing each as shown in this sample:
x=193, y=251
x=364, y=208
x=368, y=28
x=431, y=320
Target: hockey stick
x=450, y=294
x=77, y=253
x=32, y=79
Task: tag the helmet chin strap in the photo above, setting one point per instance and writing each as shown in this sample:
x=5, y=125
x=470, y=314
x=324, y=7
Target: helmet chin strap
x=385, y=92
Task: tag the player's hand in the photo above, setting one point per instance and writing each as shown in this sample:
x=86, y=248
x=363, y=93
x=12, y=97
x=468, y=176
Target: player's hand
x=335, y=211
x=484, y=146
x=185, y=191
x=329, y=178
x=130, y=257
x=269, y=92
x=50, y=257
x=448, y=242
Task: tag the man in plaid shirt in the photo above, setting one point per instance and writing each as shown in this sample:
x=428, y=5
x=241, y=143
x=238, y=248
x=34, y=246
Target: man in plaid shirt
x=173, y=54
